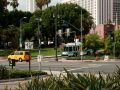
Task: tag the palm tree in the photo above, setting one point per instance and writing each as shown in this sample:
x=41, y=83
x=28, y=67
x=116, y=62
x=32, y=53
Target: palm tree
x=41, y=3
x=14, y=4
x=3, y=5
x=47, y=2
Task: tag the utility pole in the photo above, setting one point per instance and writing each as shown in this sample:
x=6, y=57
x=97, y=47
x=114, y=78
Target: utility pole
x=81, y=38
x=20, y=39
x=114, y=36
x=55, y=22
x=39, y=41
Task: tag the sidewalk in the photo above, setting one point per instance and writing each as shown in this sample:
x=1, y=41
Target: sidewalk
x=2, y=58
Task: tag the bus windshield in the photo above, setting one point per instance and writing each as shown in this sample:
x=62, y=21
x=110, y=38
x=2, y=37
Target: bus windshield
x=71, y=47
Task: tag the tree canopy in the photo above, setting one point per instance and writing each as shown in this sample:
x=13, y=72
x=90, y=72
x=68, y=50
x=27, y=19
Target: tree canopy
x=41, y=3
x=71, y=13
x=14, y=4
x=93, y=41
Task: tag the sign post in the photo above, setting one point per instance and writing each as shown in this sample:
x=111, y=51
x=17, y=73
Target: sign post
x=39, y=59
x=28, y=45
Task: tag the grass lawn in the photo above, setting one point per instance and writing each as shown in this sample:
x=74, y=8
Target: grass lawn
x=45, y=52
x=34, y=52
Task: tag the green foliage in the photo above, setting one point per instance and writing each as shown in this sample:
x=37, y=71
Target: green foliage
x=5, y=52
x=41, y=3
x=10, y=27
x=24, y=73
x=93, y=41
x=117, y=43
x=69, y=81
x=3, y=72
x=114, y=43
x=84, y=58
x=3, y=5
x=68, y=12
x=14, y=4
x=14, y=73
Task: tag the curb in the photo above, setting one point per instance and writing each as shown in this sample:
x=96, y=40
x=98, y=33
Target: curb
x=20, y=79
x=88, y=61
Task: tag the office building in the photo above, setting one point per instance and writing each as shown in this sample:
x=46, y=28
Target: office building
x=31, y=5
x=103, y=11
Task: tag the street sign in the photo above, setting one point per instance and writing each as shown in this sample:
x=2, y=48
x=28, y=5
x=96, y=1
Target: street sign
x=28, y=45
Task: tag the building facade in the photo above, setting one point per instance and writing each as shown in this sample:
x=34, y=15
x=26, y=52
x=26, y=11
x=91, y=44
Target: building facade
x=31, y=5
x=103, y=11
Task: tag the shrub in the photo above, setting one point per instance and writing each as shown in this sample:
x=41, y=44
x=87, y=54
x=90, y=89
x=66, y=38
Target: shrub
x=3, y=72
x=25, y=73
x=76, y=82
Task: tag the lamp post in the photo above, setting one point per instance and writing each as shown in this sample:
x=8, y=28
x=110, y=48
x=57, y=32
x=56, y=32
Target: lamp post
x=81, y=38
x=20, y=39
x=55, y=23
x=39, y=41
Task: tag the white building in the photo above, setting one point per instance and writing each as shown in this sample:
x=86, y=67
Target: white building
x=103, y=11
x=31, y=5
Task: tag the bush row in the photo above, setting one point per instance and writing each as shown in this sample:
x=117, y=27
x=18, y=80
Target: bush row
x=75, y=82
x=14, y=73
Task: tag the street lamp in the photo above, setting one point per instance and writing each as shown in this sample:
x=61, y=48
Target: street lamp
x=81, y=38
x=20, y=39
x=55, y=23
x=81, y=32
x=39, y=33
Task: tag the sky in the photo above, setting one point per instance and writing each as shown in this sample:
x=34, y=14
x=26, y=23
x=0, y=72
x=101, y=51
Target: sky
x=23, y=4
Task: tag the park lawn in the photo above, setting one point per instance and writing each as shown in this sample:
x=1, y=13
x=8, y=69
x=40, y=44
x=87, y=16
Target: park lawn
x=34, y=52
x=45, y=52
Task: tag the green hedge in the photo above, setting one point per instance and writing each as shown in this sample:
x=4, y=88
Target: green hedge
x=70, y=81
x=84, y=58
x=25, y=73
x=15, y=73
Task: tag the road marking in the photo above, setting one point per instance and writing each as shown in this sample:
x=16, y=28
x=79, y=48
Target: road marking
x=89, y=66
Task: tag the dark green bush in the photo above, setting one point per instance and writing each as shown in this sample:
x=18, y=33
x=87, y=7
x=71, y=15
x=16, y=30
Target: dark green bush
x=76, y=82
x=3, y=72
x=14, y=73
x=19, y=73
x=85, y=57
x=25, y=73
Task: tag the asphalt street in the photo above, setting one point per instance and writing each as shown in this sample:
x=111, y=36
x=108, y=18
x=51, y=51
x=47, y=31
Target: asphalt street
x=76, y=66
x=50, y=65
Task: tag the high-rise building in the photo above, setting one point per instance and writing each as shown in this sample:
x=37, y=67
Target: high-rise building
x=103, y=11
x=31, y=5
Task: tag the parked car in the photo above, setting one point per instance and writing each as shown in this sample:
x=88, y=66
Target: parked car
x=100, y=52
x=89, y=51
x=20, y=56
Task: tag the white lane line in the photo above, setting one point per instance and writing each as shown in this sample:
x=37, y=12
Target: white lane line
x=89, y=66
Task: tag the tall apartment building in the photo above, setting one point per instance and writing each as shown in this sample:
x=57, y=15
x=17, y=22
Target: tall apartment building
x=103, y=11
x=31, y=5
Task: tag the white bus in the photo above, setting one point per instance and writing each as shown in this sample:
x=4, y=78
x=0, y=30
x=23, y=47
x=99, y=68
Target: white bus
x=71, y=49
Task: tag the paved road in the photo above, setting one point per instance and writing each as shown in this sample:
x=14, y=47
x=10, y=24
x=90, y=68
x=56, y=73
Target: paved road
x=48, y=64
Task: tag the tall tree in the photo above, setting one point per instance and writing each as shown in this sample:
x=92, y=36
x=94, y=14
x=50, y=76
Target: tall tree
x=41, y=3
x=113, y=43
x=3, y=5
x=3, y=9
x=66, y=12
x=14, y=4
x=93, y=41
x=47, y=2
